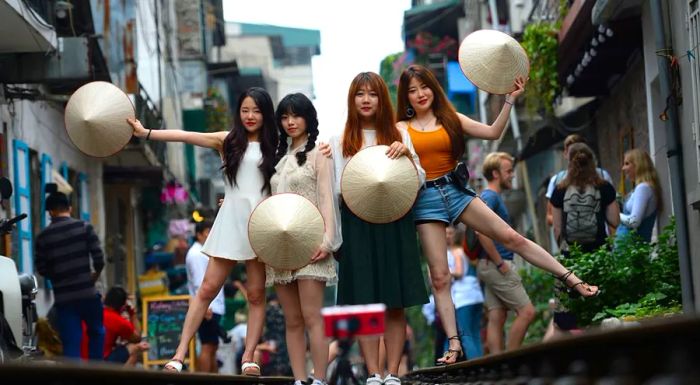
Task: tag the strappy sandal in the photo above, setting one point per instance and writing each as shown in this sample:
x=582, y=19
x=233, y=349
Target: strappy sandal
x=449, y=353
x=250, y=368
x=174, y=365
x=571, y=290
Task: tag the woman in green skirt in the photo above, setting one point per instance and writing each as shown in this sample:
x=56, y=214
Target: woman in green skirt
x=379, y=262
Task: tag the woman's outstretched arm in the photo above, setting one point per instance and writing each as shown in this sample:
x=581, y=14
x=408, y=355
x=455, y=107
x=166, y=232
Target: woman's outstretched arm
x=213, y=140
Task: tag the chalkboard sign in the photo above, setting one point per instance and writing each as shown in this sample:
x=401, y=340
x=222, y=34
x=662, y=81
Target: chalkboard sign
x=163, y=318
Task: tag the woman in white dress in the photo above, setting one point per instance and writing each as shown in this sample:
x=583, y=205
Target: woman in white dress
x=303, y=170
x=248, y=155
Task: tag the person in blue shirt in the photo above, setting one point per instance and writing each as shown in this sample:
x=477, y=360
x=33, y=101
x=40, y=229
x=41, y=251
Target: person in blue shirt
x=503, y=288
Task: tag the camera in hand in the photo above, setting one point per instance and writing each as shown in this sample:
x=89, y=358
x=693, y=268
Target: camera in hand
x=354, y=320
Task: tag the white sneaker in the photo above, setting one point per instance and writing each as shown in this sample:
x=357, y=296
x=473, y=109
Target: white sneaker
x=299, y=382
x=375, y=379
x=391, y=380
x=316, y=381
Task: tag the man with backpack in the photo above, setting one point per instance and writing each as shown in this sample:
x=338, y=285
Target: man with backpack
x=503, y=288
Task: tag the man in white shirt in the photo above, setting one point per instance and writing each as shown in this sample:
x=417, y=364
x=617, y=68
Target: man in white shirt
x=196, y=263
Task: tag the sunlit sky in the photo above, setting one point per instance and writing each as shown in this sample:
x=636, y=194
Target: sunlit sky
x=355, y=37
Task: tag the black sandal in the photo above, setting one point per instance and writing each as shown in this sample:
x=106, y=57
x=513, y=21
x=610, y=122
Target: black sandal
x=571, y=290
x=451, y=352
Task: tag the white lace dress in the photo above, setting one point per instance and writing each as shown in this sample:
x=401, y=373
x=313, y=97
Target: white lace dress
x=314, y=181
x=228, y=237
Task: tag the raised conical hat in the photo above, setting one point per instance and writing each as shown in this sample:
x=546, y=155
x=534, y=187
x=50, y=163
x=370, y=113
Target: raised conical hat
x=378, y=189
x=95, y=119
x=492, y=60
x=285, y=230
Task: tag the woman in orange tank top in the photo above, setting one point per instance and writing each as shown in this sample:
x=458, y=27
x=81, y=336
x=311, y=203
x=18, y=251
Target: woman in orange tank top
x=437, y=131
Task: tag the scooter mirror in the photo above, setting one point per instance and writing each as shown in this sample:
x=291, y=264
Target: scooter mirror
x=5, y=188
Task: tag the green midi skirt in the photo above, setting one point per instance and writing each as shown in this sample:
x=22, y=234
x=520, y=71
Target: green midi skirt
x=380, y=263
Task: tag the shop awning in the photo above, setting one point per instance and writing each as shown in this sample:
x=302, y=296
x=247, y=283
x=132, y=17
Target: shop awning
x=438, y=18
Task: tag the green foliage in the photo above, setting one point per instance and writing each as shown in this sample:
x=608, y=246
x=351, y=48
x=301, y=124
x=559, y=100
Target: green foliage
x=541, y=44
x=636, y=279
x=216, y=110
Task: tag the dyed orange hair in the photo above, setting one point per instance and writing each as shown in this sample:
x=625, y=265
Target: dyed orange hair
x=442, y=108
x=384, y=124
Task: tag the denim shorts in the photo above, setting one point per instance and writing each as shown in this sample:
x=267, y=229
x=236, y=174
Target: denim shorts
x=443, y=203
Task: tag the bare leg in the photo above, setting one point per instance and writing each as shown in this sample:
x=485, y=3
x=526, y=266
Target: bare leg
x=494, y=333
x=394, y=338
x=255, y=271
x=207, y=359
x=434, y=242
x=517, y=331
x=382, y=354
x=369, y=346
x=288, y=296
x=312, y=293
x=214, y=277
x=479, y=217
x=333, y=350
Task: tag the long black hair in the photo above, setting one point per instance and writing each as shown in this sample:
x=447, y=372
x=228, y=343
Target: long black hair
x=297, y=104
x=236, y=141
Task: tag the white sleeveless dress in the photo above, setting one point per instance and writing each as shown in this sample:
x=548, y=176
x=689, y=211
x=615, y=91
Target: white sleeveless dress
x=228, y=237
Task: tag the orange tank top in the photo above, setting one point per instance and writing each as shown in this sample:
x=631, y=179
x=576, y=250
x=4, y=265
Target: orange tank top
x=434, y=150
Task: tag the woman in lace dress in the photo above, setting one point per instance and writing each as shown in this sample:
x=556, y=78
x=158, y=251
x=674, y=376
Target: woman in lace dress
x=302, y=170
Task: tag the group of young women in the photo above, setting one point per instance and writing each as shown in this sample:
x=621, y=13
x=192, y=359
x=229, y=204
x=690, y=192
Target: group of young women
x=268, y=152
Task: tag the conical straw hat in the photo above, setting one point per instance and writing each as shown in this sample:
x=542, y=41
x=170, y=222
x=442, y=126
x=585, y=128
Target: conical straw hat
x=378, y=189
x=492, y=60
x=285, y=230
x=96, y=119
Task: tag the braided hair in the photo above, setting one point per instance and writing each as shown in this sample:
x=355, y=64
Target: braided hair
x=299, y=105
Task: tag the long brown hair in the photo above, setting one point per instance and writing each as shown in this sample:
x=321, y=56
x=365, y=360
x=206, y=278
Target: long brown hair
x=442, y=108
x=644, y=171
x=383, y=120
x=582, y=168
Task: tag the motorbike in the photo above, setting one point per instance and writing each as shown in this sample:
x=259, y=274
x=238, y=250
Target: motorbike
x=18, y=292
